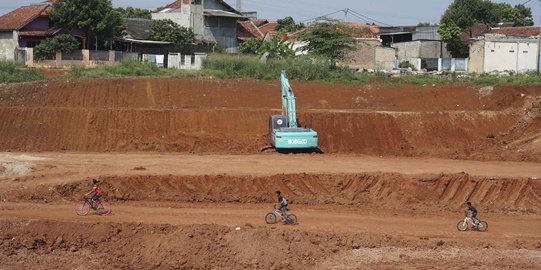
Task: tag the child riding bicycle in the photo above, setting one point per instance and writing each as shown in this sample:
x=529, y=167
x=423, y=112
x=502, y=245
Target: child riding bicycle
x=96, y=193
x=473, y=214
x=283, y=204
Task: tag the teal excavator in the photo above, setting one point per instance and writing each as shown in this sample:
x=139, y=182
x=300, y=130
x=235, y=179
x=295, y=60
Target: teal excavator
x=284, y=131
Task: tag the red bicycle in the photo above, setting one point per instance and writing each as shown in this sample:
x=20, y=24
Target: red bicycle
x=102, y=207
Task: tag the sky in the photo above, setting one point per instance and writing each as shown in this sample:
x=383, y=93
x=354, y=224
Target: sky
x=392, y=12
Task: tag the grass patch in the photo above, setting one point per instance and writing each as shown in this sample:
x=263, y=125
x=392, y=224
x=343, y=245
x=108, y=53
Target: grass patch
x=250, y=67
x=300, y=68
x=11, y=73
x=129, y=68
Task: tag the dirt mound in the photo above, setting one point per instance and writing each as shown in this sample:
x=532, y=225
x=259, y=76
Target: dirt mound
x=522, y=141
x=379, y=190
x=52, y=244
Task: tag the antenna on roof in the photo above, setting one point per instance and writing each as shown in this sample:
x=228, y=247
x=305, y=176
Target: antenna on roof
x=239, y=5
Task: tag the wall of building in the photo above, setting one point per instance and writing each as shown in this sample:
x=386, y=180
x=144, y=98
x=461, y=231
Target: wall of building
x=8, y=45
x=385, y=57
x=426, y=33
x=477, y=57
x=213, y=4
x=180, y=16
x=364, y=55
x=223, y=30
x=420, y=49
x=527, y=54
x=510, y=55
x=38, y=24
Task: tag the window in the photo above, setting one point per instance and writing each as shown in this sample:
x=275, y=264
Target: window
x=192, y=60
x=511, y=51
x=491, y=50
x=524, y=51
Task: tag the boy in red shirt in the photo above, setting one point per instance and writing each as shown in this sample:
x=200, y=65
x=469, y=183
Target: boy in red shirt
x=96, y=191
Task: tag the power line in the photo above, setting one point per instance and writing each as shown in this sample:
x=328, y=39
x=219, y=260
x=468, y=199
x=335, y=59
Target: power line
x=370, y=19
x=326, y=15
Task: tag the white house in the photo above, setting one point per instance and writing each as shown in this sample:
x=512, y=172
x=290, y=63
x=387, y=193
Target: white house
x=511, y=49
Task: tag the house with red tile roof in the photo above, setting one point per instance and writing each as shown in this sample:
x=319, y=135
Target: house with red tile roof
x=212, y=21
x=505, y=49
x=255, y=28
x=27, y=26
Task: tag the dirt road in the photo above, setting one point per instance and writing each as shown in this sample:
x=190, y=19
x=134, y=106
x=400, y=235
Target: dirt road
x=66, y=167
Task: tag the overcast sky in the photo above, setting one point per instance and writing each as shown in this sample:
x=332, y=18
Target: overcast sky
x=394, y=12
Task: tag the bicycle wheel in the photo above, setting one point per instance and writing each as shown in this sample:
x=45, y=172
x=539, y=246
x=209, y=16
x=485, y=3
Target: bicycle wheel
x=270, y=218
x=82, y=208
x=103, y=208
x=482, y=226
x=462, y=226
x=291, y=219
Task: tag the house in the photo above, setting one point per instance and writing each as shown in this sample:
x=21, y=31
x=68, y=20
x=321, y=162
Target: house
x=424, y=50
x=137, y=40
x=212, y=21
x=369, y=53
x=27, y=26
x=505, y=49
x=259, y=29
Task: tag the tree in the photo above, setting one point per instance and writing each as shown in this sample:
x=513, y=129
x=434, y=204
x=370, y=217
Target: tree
x=167, y=30
x=450, y=34
x=465, y=13
x=327, y=39
x=97, y=16
x=518, y=15
x=277, y=47
x=131, y=12
x=64, y=43
x=287, y=25
x=250, y=46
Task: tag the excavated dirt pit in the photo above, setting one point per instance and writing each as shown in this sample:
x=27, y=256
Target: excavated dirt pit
x=230, y=117
x=172, y=156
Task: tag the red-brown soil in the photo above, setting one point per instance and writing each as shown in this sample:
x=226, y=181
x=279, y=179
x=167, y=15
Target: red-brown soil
x=179, y=158
x=205, y=116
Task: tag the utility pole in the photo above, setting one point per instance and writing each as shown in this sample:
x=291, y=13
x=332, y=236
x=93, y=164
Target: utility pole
x=239, y=5
x=539, y=42
x=346, y=14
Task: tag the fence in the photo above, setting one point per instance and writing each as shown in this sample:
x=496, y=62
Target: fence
x=78, y=58
x=20, y=56
x=453, y=64
x=121, y=56
x=179, y=61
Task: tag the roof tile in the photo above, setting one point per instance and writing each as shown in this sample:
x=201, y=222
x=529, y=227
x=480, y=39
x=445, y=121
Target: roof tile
x=20, y=17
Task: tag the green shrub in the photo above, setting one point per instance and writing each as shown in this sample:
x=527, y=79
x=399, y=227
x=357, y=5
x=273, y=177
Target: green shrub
x=11, y=72
x=47, y=49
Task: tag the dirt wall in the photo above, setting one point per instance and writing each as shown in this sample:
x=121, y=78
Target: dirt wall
x=373, y=190
x=214, y=116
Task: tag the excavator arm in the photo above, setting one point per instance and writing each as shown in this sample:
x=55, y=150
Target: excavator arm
x=288, y=101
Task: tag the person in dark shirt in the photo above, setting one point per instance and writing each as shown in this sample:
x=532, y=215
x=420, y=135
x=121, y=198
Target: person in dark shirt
x=283, y=203
x=473, y=214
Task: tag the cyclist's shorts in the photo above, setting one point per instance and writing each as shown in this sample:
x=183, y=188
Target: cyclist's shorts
x=96, y=197
x=473, y=214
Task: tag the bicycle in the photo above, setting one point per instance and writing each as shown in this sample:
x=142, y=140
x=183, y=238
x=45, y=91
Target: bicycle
x=478, y=225
x=270, y=218
x=82, y=208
